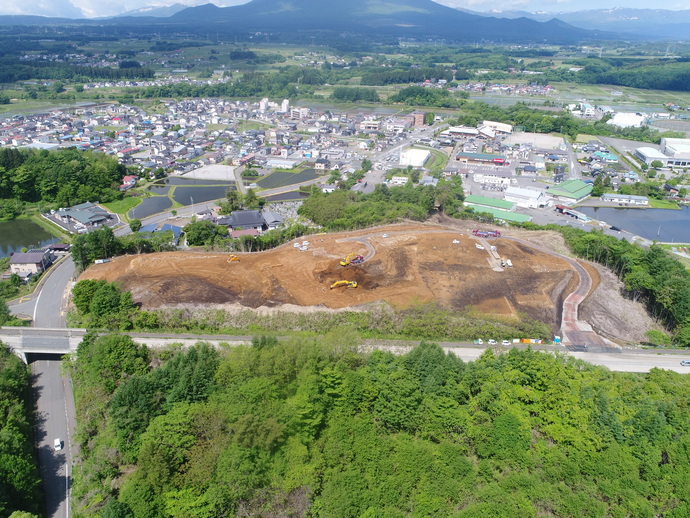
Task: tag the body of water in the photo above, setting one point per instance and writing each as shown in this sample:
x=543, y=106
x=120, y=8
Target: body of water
x=194, y=195
x=23, y=233
x=288, y=196
x=150, y=206
x=653, y=224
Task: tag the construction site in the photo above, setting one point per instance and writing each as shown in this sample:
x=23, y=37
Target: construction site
x=403, y=265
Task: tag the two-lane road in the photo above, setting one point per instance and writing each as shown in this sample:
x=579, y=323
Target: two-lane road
x=55, y=420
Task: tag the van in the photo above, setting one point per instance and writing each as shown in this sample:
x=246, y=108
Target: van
x=685, y=363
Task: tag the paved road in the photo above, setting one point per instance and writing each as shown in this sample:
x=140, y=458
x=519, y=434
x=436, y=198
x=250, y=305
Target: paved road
x=56, y=417
x=47, y=306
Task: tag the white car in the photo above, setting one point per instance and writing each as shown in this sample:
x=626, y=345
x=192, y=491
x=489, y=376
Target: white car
x=685, y=363
x=505, y=342
x=480, y=247
x=492, y=342
x=57, y=444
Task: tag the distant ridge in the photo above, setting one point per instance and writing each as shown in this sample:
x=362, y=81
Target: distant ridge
x=386, y=18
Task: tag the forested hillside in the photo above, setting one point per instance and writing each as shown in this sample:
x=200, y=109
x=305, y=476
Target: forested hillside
x=310, y=427
x=19, y=478
x=61, y=178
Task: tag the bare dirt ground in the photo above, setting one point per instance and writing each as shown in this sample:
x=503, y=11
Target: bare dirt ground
x=415, y=264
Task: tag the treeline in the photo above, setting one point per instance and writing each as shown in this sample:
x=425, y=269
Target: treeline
x=653, y=74
x=102, y=243
x=314, y=428
x=59, y=178
x=650, y=275
x=345, y=94
x=343, y=210
x=13, y=70
x=250, y=85
x=20, y=494
x=384, y=77
x=421, y=96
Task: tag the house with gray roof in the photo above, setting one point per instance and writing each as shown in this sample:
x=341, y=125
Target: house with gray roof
x=85, y=216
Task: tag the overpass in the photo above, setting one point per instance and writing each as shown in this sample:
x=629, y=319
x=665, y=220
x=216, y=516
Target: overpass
x=60, y=341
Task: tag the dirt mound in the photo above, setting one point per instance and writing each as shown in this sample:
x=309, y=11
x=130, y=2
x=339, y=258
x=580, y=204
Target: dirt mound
x=410, y=264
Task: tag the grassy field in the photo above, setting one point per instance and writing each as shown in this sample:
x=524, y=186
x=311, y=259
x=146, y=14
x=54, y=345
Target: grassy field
x=663, y=204
x=123, y=206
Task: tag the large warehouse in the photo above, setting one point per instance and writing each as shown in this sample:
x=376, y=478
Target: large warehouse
x=673, y=152
x=414, y=157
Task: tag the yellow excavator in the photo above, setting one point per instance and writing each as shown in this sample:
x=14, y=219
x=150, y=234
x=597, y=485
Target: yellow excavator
x=233, y=257
x=353, y=258
x=348, y=284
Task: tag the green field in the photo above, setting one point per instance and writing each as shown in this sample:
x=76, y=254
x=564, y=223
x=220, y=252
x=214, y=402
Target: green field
x=663, y=204
x=123, y=206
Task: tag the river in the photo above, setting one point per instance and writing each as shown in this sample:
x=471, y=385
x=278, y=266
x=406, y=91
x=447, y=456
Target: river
x=669, y=226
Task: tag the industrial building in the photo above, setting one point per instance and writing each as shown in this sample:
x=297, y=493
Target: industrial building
x=674, y=152
x=414, y=157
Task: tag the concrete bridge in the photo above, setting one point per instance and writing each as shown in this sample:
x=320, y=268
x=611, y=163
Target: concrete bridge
x=60, y=341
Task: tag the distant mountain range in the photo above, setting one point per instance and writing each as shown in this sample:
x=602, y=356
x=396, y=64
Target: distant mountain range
x=648, y=23
x=386, y=18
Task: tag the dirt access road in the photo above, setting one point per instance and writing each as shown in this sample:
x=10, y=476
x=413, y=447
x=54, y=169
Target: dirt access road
x=406, y=264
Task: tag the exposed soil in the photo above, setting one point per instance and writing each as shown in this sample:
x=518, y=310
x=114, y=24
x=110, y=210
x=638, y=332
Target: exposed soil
x=416, y=263
x=610, y=313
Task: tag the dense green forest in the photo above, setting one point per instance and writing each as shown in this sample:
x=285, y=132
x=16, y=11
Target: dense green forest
x=314, y=428
x=56, y=178
x=19, y=477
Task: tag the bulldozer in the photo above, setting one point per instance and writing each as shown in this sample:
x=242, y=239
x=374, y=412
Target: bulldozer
x=347, y=284
x=352, y=258
x=233, y=257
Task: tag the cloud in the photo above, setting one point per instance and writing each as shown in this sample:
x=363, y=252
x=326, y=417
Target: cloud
x=60, y=8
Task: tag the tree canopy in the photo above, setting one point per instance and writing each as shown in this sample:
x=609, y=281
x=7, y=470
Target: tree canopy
x=314, y=428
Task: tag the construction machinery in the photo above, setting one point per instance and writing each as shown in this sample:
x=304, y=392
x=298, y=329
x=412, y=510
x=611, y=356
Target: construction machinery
x=353, y=258
x=233, y=257
x=347, y=284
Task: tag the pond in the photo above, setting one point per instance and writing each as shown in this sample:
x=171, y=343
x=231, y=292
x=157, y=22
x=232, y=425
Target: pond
x=288, y=196
x=654, y=224
x=193, y=195
x=150, y=206
x=23, y=233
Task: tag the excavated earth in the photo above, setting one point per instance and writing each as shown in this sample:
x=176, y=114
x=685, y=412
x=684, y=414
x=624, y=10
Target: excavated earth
x=414, y=264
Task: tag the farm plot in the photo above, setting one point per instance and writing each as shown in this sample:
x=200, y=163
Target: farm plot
x=281, y=179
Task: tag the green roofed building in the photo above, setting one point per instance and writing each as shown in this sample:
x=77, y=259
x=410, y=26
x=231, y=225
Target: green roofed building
x=514, y=217
x=483, y=201
x=570, y=191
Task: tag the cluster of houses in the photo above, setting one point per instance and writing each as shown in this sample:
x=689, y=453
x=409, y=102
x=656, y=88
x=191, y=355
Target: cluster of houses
x=198, y=132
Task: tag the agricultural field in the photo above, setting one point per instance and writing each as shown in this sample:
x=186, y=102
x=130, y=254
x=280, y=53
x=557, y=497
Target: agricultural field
x=281, y=178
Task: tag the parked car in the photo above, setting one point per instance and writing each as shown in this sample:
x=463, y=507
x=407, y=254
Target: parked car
x=615, y=229
x=505, y=342
x=492, y=342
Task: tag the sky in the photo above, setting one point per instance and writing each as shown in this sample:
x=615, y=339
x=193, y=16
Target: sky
x=99, y=8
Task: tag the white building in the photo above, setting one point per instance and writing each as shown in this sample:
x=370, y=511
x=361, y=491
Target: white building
x=285, y=106
x=674, y=152
x=628, y=120
x=414, y=157
x=625, y=198
x=527, y=198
